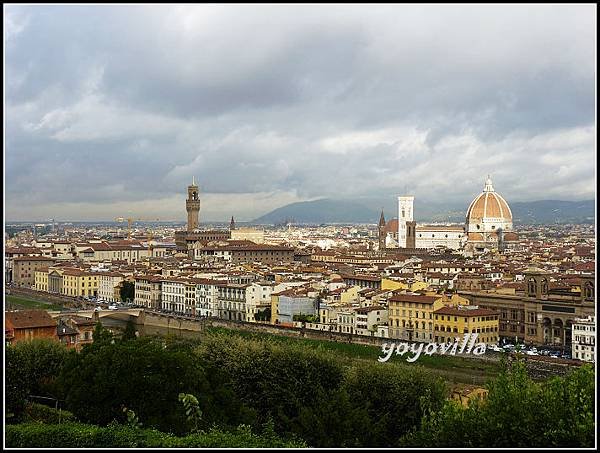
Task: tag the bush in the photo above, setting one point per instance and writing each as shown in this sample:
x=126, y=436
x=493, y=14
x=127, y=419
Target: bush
x=46, y=414
x=517, y=412
x=31, y=369
x=141, y=375
x=324, y=399
x=78, y=435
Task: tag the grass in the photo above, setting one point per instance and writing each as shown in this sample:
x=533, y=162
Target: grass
x=452, y=368
x=23, y=303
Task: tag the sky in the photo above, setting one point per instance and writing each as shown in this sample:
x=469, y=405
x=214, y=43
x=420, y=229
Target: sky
x=111, y=110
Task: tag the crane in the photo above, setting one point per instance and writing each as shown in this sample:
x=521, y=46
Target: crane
x=130, y=221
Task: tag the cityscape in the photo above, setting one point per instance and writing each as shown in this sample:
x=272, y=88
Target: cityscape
x=216, y=282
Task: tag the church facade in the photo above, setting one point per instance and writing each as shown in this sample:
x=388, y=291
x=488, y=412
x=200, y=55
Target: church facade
x=488, y=226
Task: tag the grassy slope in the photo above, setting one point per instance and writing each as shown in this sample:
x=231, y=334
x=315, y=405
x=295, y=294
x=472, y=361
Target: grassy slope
x=23, y=303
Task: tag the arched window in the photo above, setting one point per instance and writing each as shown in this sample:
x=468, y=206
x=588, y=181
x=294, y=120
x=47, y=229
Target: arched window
x=531, y=286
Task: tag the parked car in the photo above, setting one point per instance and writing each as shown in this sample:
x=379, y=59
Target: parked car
x=531, y=353
x=98, y=309
x=112, y=307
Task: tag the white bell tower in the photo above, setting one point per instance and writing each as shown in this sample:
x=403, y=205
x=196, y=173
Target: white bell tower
x=405, y=214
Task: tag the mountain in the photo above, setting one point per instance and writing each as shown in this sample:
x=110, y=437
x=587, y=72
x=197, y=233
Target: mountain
x=369, y=210
x=553, y=211
x=320, y=211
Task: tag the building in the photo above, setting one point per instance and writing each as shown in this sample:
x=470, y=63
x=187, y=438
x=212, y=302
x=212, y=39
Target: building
x=382, y=233
x=584, y=339
x=454, y=322
x=405, y=220
x=368, y=319
x=232, y=301
x=24, y=325
x=79, y=283
x=192, y=206
x=184, y=240
x=24, y=268
x=488, y=222
x=538, y=315
x=291, y=302
x=248, y=234
x=107, y=282
x=246, y=252
x=148, y=291
x=173, y=296
x=410, y=316
x=207, y=297
x=432, y=236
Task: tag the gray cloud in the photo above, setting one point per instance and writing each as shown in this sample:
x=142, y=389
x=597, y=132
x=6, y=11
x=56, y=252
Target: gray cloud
x=108, y=105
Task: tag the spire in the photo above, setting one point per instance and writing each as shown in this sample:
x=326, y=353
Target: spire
x=488, y=185
x=381, y=219
x=232, y=224
x=193, y=180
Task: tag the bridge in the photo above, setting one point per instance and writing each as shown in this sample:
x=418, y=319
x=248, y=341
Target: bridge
x=124, y=314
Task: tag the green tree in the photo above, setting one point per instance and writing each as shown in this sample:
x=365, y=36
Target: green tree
x=127, y=291
x=518, y=412
x=129, y=333
x=101, y=335
x=31, y=369
x=144, y=375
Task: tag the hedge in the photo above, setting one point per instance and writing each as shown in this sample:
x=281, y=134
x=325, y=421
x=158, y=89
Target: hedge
x=79, y=435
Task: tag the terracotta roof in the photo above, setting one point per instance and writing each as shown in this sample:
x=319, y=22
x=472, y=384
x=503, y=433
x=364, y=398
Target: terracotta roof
x=489, y=204
x=414, y=298
x=24, y=319
x=465, y=312
x=32, y=258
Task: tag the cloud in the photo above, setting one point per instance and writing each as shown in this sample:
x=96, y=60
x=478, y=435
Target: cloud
x=113, y=105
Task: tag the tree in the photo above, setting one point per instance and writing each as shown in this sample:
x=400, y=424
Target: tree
x=127, y=291
x=518, y=412
x=145, y=376
x=31, y=369
x=101, y=336
x=129, y=333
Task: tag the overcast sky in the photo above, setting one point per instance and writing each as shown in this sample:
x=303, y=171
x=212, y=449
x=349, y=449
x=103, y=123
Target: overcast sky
x=110, y=110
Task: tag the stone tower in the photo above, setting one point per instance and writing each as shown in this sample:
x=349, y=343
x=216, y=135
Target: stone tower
x=192, y=206
x=232, y=224
x=382, y=233
x=405, y=215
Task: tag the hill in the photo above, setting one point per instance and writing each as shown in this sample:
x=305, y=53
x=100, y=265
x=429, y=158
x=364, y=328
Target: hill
x=369, y=210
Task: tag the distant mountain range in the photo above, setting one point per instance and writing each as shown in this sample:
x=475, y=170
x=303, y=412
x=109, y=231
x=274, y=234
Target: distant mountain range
x=364, y=211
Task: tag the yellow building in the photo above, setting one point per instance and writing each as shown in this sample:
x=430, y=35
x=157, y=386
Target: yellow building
x=41, y=280
x=452, y=322
x=463, y=394
x=349, y=295
x=76, y=282
x=410, y=316
x=393, y=285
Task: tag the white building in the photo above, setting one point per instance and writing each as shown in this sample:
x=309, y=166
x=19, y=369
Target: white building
x=207, y=297
x=107, y=281
x=369, y=318
x=148, y=289
x=174, y=295
x=258, y=299
x=405, y=214
x=432, y=236
x=583, y=341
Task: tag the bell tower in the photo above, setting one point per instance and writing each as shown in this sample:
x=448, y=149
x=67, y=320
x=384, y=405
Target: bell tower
x=381, y=231
x=192, y=206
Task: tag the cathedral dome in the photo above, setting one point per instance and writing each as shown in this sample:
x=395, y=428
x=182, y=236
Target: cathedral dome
x=489, y=212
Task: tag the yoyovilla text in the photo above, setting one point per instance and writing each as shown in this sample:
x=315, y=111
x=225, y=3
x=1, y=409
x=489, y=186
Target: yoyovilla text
x=467, y=346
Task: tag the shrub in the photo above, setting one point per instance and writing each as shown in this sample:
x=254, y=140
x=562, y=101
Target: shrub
x=517, y=412
x=46, y=414
x=78, y=435
x=31, y=369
